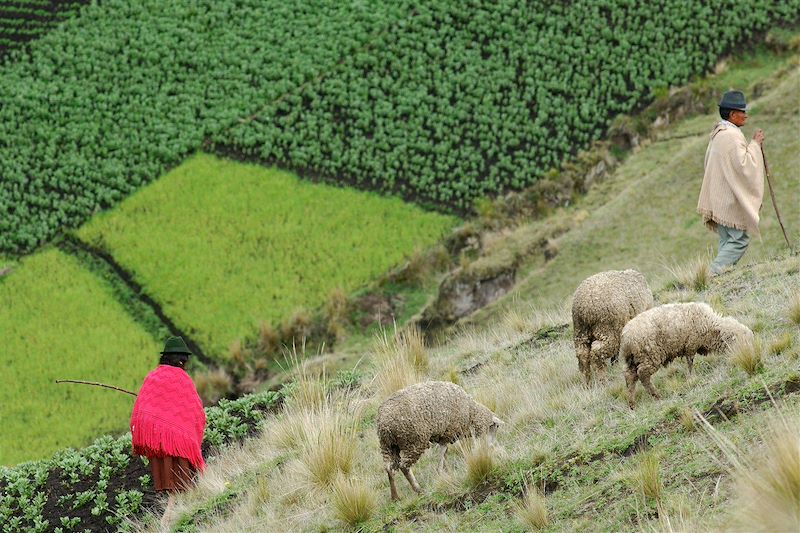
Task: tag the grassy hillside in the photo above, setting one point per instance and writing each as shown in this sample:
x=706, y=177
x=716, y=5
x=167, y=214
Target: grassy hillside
x=61, y=322
x=223, y=246
x=645, y=217
x=665, y=466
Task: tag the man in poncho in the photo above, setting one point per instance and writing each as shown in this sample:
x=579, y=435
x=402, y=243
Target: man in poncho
x=168, y=422
x=733, y=183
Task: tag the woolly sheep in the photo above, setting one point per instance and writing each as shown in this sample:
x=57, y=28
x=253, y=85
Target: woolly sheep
x=432, y=412
x=656, y=337
x=601, y=306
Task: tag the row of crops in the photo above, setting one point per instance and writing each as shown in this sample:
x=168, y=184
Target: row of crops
x=102, y=487
x=110, y=99
x=476, y=98
x=441, y=102
x=24, y=20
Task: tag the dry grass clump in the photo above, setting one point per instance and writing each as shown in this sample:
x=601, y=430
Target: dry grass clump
x=258, y=495
x=268, y=338
x=694, y=276
x=335, y=312
x=532, y=510
x=646, y=477
x=781, y=344
x=212, y=385
x=768, y=478
x=686, y=419
x=402, y=360
x=478, y=458
x=353, y=502
x=794, y=309
x=748, y=356
x=330, y=451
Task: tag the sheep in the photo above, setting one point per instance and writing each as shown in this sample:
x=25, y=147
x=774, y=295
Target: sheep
x=432, y=412
x=601, y=306
x=657, y=336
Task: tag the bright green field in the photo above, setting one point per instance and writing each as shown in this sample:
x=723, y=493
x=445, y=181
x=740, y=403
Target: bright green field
x=58, y=321
x=223, y=245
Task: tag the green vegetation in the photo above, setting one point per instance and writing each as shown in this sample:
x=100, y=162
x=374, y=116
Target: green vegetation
x=222, y=246
x=61, y=322
x=493, y=94
x=441, y=102
x=102, y=486
x=113, y=98
x=25, y=20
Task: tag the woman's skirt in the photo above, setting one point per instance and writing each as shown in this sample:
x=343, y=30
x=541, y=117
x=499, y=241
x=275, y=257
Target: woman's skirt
x=170, y=473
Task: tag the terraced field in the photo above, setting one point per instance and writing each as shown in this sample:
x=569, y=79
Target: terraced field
x=61, y=322
x=223, y=246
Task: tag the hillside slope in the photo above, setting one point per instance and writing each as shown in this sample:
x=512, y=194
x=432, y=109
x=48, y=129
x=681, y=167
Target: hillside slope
x=582, y=447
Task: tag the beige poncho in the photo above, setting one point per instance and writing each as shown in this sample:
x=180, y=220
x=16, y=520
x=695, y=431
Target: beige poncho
x=733, y=184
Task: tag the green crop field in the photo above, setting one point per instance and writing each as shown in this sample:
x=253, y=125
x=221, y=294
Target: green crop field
x=222, y=246
x=440, y=102
x=61, y=322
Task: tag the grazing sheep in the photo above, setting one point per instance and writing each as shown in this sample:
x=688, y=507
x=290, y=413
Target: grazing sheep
x=432, y=412
x=601, y=306
x=656, y=337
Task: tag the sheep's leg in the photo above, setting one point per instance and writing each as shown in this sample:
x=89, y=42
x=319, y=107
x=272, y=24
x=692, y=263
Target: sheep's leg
x=584, y=353
x=602, y=351
x=630, y=382
x=411, y=479
x=690, y=362
x=392, y=486
x=644, y=374
x=442, y=454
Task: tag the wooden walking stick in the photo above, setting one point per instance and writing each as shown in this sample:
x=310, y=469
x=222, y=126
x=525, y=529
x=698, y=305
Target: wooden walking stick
x=95, y=384
x=774, y=204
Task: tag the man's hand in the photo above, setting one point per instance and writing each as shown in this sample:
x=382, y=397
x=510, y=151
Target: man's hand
x=758, y=136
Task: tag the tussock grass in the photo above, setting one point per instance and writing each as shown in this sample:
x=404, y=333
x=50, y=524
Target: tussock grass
x=402, y=360
x=478, y=459
x=646, y=477
x=258, y=495
x=781, y=344
x=694, y=275
x=768, y=477
x=794, y=309
x=353, y=501
x=687, y=419
x=212, y=385
x=748, y=356
x=532, y=510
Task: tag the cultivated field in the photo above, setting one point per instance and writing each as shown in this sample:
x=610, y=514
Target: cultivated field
x=222, y=246
x=61, y=322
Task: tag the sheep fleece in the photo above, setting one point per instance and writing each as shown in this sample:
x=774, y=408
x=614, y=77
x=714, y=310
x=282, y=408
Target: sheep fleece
x=601, y=306
x=435, y=411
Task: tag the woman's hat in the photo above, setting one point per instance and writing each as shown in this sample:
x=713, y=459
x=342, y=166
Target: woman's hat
x=175, y=345
x=733, y=100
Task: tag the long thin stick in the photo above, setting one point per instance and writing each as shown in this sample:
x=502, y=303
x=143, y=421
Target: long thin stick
x=95, y=384
x=774, y=204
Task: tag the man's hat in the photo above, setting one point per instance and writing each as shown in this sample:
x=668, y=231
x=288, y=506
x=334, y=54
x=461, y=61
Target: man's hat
x=733, y=100
x=175, y=345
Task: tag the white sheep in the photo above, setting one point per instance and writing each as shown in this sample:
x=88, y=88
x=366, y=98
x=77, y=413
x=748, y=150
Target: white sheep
x=601, y=306
x=432, y=412
x=656, y=337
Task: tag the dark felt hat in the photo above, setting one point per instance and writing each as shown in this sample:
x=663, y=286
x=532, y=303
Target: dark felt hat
x=176, y=345
x=733, y=100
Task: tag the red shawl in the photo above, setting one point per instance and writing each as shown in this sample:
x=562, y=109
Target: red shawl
x=168, y=417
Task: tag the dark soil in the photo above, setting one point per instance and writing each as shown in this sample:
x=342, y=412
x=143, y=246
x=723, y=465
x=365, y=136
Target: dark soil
x=57, y=486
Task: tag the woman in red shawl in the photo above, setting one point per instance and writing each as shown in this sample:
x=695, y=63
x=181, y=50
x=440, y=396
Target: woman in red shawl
x=167, y=423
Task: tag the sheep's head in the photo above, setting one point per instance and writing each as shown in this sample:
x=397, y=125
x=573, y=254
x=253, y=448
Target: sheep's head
x=483, y=421
x=731, y=332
